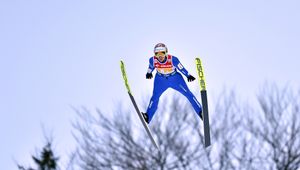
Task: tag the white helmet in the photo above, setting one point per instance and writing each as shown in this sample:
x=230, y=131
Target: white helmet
x=160, y=47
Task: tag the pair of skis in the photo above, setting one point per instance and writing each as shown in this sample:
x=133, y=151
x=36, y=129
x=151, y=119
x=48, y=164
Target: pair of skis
x=203, y=99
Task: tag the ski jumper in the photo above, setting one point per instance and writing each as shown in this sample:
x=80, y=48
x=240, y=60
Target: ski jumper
x=167, y=76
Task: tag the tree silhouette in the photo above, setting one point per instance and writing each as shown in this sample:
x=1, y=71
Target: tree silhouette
x=263, y=136
x=46, y=160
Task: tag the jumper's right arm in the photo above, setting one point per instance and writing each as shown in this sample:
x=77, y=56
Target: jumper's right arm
x=151, y=66
x=150, y=69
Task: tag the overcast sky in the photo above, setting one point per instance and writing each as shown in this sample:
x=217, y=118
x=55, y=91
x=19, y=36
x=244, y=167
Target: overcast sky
x=55, y=54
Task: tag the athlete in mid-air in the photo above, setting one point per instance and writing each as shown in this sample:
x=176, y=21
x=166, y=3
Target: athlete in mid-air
x=167, y=76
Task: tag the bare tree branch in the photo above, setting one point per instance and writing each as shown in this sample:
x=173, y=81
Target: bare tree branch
x=243, y=137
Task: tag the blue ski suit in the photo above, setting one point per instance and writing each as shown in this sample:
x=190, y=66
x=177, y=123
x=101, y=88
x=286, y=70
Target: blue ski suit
x=167, y=76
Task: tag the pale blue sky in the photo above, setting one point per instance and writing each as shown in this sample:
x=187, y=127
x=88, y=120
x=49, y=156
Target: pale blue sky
x=55, y=54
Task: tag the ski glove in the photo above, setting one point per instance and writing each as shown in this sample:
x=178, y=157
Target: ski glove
x=149, y=76
x=191, y=78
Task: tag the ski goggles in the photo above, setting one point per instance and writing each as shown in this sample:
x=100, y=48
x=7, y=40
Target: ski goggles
x=161, y=52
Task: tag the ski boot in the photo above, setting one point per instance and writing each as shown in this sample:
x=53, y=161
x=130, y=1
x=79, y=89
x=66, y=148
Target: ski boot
x=200, y=115
x=145, y=115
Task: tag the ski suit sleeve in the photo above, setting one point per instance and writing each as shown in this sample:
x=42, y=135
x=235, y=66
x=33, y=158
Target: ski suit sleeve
x=179, y=66
x=151, y=65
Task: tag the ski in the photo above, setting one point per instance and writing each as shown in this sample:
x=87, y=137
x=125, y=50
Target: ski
x=204, y=102
x=135, y=105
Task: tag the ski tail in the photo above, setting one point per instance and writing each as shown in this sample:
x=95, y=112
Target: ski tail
x=204, y=102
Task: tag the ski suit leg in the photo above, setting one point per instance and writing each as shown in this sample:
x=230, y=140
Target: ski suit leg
x=160, y=86
x=179, y=84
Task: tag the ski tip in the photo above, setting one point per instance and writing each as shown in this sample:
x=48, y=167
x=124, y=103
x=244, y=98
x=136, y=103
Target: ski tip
x=122, y=64
x=198, y=59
